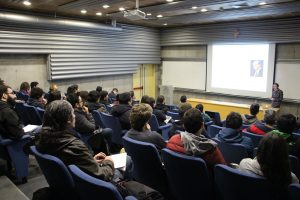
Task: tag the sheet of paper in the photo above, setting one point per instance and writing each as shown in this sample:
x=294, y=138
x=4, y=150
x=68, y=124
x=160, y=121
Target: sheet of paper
x=119, y=160
x=30, y=128
x=168, y=119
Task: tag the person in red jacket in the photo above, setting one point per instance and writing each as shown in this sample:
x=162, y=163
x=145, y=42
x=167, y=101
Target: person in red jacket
x=192, y=143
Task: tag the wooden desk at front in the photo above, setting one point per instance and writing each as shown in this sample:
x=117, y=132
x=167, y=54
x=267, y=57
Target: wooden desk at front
x=224, y=108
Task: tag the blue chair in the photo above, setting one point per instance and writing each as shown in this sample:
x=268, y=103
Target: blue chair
x=207, y=124
x=113, y=123
x=164, y=130
x=295, y=165
x=232, y=153
x=215, y=116
x=233, y=184
x=172, y=108
x=23, y=114
x=174, y=115
x=90, y=188
x=56, y=173
x=147, y=164
x=34, y=115
x=17, y=155
x=254, y=137
x=213, y=130
x=245, y=126
x=294, y=191
x=97, y=118
x=296, y=135
x=187, y=176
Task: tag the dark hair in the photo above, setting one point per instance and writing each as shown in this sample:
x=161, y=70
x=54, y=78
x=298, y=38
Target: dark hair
x=234, y=120
x=24, y=86
x=124, y=98
x=99, y=89
x=286, y=123
x=72, y=89
x=73, y=98
x=139, y=116
x=84, y=95
x=94, y=96
x=115, y=89
x=131, y=93
x=151, y=102
x=183, y=108
x=3, y=89
x=160, y=99
x=272, y=156
x=192, y=120
x=103, y=94
x=144, y=99
x=254, y=108
x=1, y=82
x=183, y=99
x=276, y=84
x=270, y=117
x=36, y=93
x=200, y=107
x=33, y=84
x=57, y=115
x=54, y=95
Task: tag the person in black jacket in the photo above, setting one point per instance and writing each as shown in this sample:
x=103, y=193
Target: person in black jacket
x=37, y=98
x=93, y=102
x=160, y=104
x=160, y=115
x=10, y=124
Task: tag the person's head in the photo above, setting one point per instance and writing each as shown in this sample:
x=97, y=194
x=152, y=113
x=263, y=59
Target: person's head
x=270, y=117
x=99, y=89
x=25, y=86
x=53, y=87
x=6, y=93
x=200, y=107
x=124, y=98
x=115, y=90
x=272, y=156
x=151, y=102
x=144, y=99
x=183, y=99
x=192, y=120
x=94, y=96
x=2, y=82
x=72, y=89
x=59, y=115
x=257, y=65
x=234, y=120
x=36, y=93
x=275, y=86
x=75, y=100
x=183, y=108
x=286, y=123
x=254, y=109
x=131, y=94
x=139, y=116
x=160, y=99
x=34, y=84
x=54, y=95
x=103, y=95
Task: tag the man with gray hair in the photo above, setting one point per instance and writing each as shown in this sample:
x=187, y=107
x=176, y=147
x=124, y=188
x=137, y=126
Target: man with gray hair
x=263, y=128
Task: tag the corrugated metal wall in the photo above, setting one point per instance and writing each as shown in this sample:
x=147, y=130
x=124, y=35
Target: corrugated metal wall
x=272, y=31
x=81, y=52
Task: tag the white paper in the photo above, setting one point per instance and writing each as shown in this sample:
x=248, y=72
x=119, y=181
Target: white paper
x=30, y=128
x=119, y=160
x=168, y=118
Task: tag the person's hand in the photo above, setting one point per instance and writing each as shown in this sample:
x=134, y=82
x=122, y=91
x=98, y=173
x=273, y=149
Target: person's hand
x=85, y=109
x=108, y=158
x=100, y=157
x=148, y=127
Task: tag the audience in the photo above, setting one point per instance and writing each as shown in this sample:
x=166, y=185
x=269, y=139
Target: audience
x=250, y=119
x=72, y=89
x=99, y=89
x=93, y=102
x=54, y=95
x=160, y=115
x=206, y=117
x=233, y=132
x=34, y=84
x=262, y=128
x=140, y=129
x=37, y=98
x=84, y=96
x=192, y=142
x=272, y=162
x=160, y=104
x=122, y=110
x=113, y=94
x=104, y=97
x=25, y=88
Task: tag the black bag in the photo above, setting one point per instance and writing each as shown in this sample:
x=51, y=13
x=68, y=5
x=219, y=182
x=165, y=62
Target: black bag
x=141, y=191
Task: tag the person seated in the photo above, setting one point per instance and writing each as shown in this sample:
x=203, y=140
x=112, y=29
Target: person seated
x=36, y=98
x=34, y=84
x=160, y=115
x=205, y=116
x=272, y=162
x=122, y=110
x=25, y=88
x=193, y=143
x=113, y=95
x=233, y=132
x=183, y=99
x=72, y=89
x=160, y=104
x=263, y=128
x=53, y=87
x=104, y=97
x=93, y=102
x=10, y=124
x=140, y=129
x=250, y=119
x=177, y=126
x=84, y=97
x=2, y=82
x=99, y=89
x=54, y=95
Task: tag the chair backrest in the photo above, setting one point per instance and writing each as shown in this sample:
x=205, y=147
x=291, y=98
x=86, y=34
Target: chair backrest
x=294, y=191
x=55, y=171
x=232, y=152
x=112, y=122
x=147, y=164
x=233, y=184
x=187, y=176
x=24, y=115
x=153, y=123
x=213, y=130
x=174, y=115
x=296, y=135
x=34, y=116
x=90, y=188
x=244, y=126
x=97, y=118
x=254, y=137
x=215, y=116
x=295, y=165
x=208, y=124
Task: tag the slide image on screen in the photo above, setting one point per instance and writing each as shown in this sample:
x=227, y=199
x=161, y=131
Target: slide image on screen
x=256, y=69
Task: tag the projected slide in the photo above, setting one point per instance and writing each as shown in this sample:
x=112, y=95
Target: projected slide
x=243, y=67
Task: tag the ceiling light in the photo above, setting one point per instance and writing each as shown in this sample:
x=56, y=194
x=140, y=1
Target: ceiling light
x=99, y=13
x=105, y=6
x=169, y=0
x=159, y=16
x=149, y=14
x=165, y=24
x=83, y=11
x=203, y=10
x=27, y=3
x=194, y=7
x=262, y=3
x=121, y=9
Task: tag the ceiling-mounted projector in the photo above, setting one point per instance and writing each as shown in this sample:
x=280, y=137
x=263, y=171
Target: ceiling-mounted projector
x=134, y=14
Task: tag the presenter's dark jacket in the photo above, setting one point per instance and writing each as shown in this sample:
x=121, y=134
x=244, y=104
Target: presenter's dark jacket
x=277, y=98
x=10, y=124
x=71, y=150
